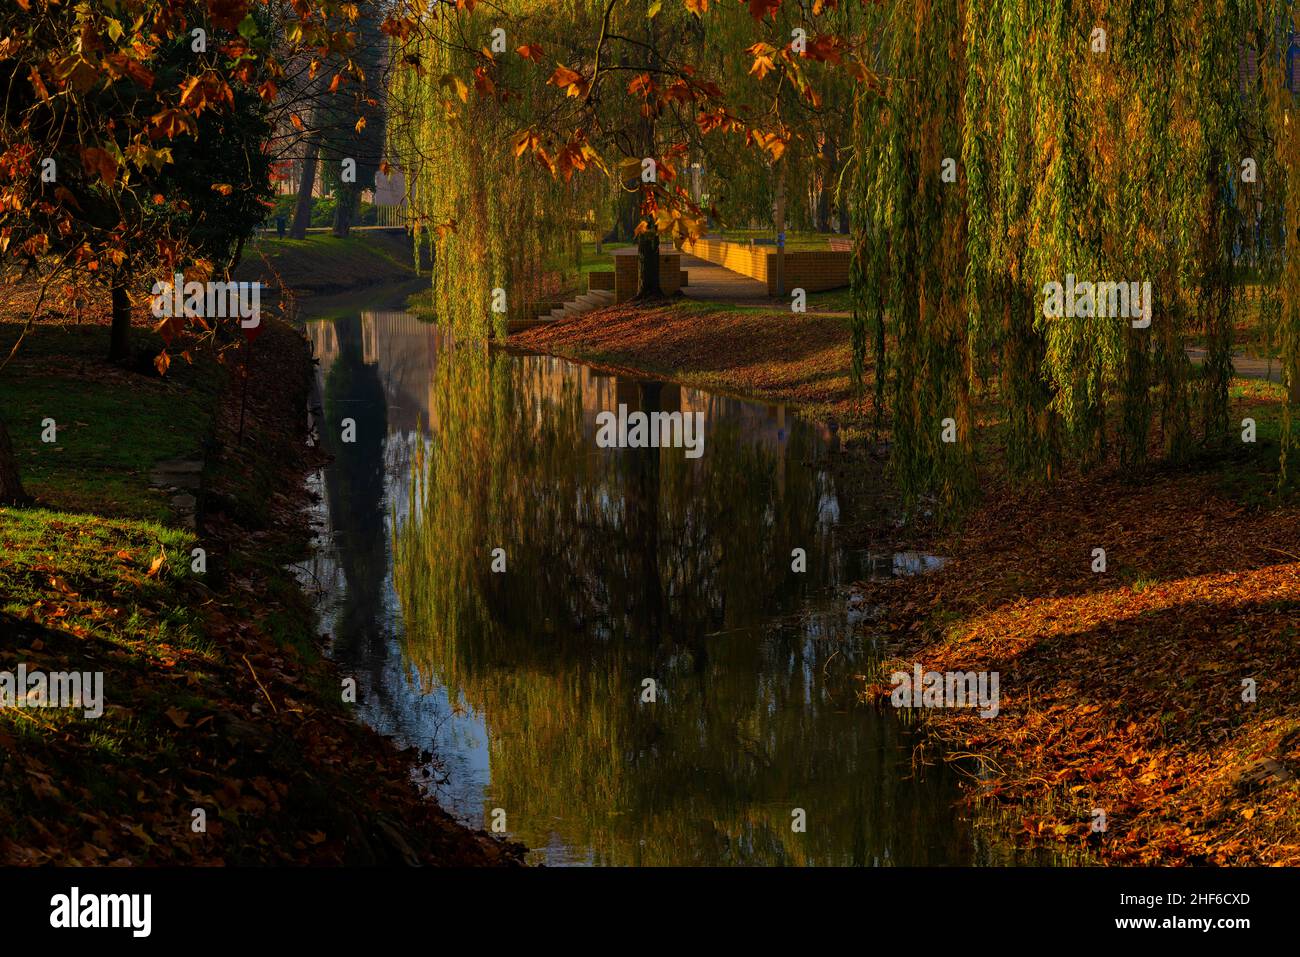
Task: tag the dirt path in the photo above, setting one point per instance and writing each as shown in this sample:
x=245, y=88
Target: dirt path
x=1245, y=366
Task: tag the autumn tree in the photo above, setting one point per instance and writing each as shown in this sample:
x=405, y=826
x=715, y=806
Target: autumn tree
x=619, y=90
x=1021, y=144
x=132, y=141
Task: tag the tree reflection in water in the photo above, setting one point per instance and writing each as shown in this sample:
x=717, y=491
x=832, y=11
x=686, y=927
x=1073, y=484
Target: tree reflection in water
x=622, y=565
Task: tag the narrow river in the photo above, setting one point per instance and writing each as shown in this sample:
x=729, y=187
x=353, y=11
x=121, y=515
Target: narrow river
x=629, y=574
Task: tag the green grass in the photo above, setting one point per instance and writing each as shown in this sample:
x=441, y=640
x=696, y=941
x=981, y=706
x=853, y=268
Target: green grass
x=602, y=261
x=87, y=565
x=78, y=593
x=327, y=248
x=93, y=578
x=111, y=427
x=322, y=263
x=832, y=300
x=98, y=524
x=798, y=239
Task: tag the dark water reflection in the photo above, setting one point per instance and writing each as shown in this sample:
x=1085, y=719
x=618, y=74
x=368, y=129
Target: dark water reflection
x=621, y=566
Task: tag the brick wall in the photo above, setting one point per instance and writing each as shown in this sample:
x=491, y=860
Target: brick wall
x=812, y=270
x=738, y=257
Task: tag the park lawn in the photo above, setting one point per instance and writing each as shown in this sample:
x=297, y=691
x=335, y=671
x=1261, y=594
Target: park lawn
x=794, y=239
x=93, y=578
x=111, y=425
x=323, y=264
x=602, y=261
x=571, y=273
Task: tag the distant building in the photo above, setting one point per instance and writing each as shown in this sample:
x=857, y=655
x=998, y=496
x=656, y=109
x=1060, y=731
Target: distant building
x=390, y=190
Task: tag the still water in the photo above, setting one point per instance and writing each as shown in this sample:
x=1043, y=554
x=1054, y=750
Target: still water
x=526, y=689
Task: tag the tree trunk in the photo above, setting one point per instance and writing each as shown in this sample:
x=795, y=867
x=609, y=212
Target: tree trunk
x=780, y=227
x=648, y=242
x=830, y=168
x=648, y=252
x=302, y=212
x=11, y=485
x=345, y=202
x=625, y=224
x=119, y=343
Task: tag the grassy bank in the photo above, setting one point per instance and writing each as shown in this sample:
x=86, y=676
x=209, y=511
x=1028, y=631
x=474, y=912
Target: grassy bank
x=1120, y=691
x=219, y=709
x=322, y=264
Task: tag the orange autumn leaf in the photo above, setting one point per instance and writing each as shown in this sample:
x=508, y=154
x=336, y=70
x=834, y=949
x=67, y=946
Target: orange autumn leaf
x=641, y=84
x=38, y=85
x=96, y=160
x=568, y=80
x=525, y=141
x=762, y=54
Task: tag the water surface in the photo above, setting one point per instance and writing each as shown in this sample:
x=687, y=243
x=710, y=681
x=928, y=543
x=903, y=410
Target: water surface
x=526, y=689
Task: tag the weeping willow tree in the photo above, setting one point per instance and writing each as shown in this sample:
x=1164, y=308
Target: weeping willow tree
x=1280, y=219
x=910, y=268
x=801, y=96
x=490, y=218
x=1099, y=142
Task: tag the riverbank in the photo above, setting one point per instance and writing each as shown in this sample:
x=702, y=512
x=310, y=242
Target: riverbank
x=323, y=265
x=1120, y=691
x=789, y=357
x=223, y=737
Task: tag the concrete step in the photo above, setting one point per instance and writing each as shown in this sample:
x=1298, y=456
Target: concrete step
x=587, y=302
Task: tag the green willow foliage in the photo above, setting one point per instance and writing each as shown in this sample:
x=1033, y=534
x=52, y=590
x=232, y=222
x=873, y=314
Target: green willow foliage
x=502, y=220
x=910, y=268
x=496, y=220
x=1112, y=158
